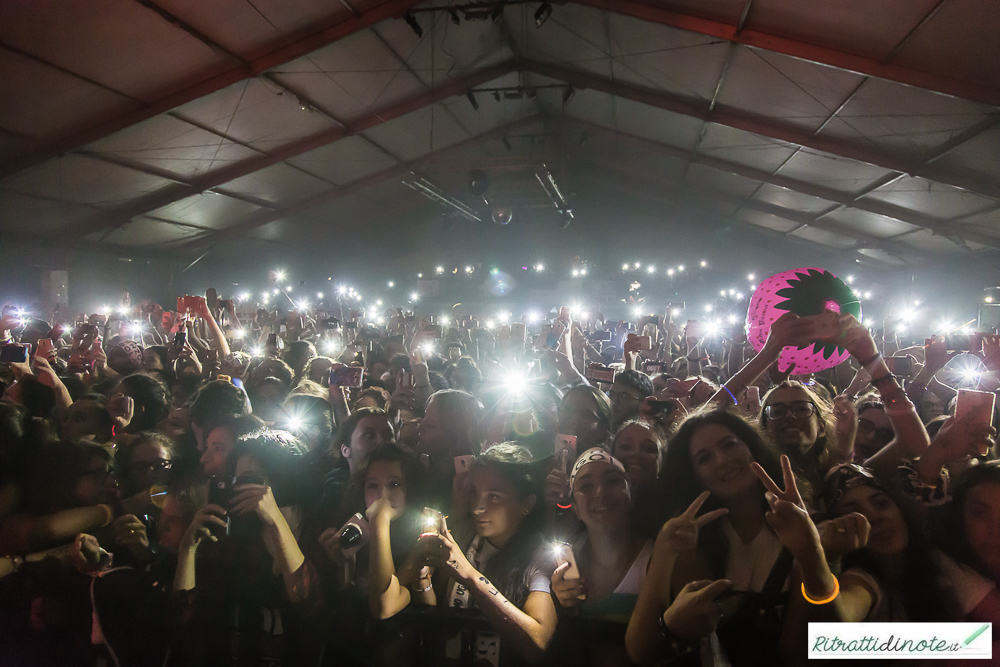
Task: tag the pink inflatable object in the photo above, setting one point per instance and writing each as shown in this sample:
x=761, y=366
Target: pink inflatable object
x=806, y=291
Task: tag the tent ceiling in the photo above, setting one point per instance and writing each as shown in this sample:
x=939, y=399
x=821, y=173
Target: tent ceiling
x=867, y=128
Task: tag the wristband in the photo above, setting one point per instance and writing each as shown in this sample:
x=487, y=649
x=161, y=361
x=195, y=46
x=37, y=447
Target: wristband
x=826, y=600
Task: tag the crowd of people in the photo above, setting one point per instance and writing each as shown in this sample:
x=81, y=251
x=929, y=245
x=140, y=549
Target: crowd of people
x=237, y=486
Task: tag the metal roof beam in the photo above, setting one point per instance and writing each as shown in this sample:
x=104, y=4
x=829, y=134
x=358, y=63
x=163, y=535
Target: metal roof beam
x=757, y=125
x=170, y=194
x=262, y=218
x=318, y=38
x=801, y=50
x=848, y=200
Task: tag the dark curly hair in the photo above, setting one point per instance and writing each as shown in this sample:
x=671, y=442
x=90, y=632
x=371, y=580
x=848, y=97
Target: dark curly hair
x=152, y=396
x=679, y=484
x=282, y=456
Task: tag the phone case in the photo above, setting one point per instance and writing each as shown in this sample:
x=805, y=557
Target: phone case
x=970, y=401
x=827, y=325
x=362, y=523
x=564, y=554
x=462, y=463
x=565, y=451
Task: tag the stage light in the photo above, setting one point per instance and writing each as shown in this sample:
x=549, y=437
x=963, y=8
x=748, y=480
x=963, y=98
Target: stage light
x=391, y=284
x=534, y=317
x=539, y=267
x=256, y=351
x=868, y=295
x=638, y=265
x=411, y=21
x=276, y=292
x=469, y=269
x=988, y=299
x=739, y=296
x=124, y=310
x=427, y=348
x=681, y=268
x=624, y=267
x=105, y=310
x=732, y=319
x=503, y=316
x=378, y=303
x=414, y=296
x=279, y=276
x=439, y=270
x=722, y=292
x=331, y=347
x=650, y=269
x=850, y=279
x=319, y=295
x=712, y=328
x=290, y=288
x=708, y=307
x=515, y=383
x=444, y=320
x=420, y=275
x=341, y=291
x=490, y=324
x=670, y=272
x=542, y=14
x=704, y=264
x=750, y=277
x=245, y=296
x=575, y=273
x=753, y=287
x=636, y=311
x=675, y=312
x=238, y=334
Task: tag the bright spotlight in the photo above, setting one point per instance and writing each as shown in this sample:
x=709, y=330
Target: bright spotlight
x=439, y=269
x=712, y=328
x=319, y=295
x=534, y=317
x=583, y=272
x=624, y=267
x=303, y=306
x=294, y=424
x=105, y=310
x=732, y=319
x=469, y=269
x=988, y=299
x=391, y=284
x=490, y=324
x=279, y=276
x=850, y=279
x=290, y=288
x=675, y=312
x=276, y=292
x=708, y=307
x=378, y=302
x=722, y=292
x=868, y=295
x=704, y=264
x=681, y=268
x=124, y=310
x=539, y=267
x=256, y=351
x=444, y=320
x=575, y=273
x=414, y=297
x=331, y=347
x=238, y=334
x=636, y=311
x=650, y=269
x=341, y=291
x=638, y=265
x=750, y=277
x=427, y=348
x=245, y=296
x=515, y=383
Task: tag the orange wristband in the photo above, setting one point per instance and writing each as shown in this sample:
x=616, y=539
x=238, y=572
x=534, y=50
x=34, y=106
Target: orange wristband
x=826, y=600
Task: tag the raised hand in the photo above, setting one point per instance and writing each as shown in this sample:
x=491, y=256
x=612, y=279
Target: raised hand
x=200, y=528
x=788, y=516
x=129, y=532
x=122, y=409
x=571, y=593
x=696, y=612
x=681, y=533
x=256, y=499
x=843, y=535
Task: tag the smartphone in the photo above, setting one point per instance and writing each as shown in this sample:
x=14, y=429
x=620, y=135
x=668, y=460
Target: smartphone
x=405, y=379
x=396, y=338
x=347, y=376
x=695, y=329
x=463, y=463
x=354, y=534
x=645, y=342
x=600, y=336
x=958, y=342
x=653, y=367
x=44, y=348
x=971, y=401
x=599, y=373
x=351, y=325
x=272, y=340
x=565, y=450
x=564, y=314
x=15, y=353
x=435, y=330
x=220, y=492
x=563, y=553
x=180, y=340
x=649, y=331
x=432, y=521
x=753, y=394
x=330, y=323
x=663, y=408
x=518, y=332
x=901, y=366
x=826, y=325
